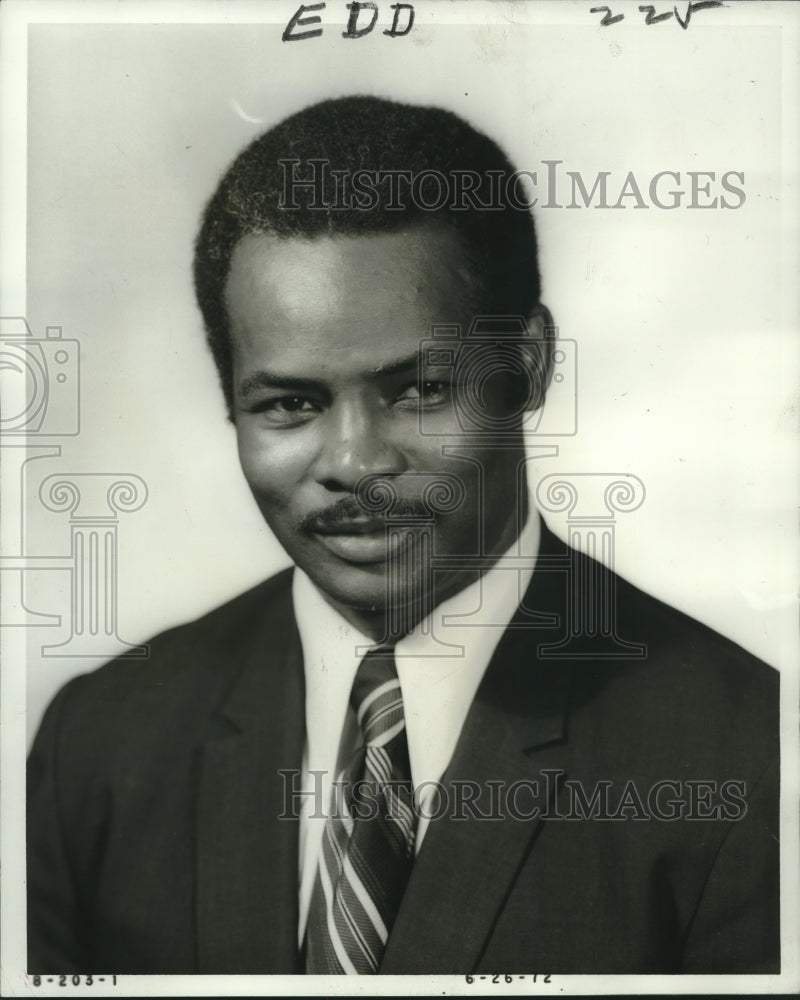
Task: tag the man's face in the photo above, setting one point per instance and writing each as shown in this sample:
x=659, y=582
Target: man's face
x=326, y=336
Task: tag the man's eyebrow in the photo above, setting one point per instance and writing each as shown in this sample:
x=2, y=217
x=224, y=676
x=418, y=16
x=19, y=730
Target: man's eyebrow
x=264, y=379
x=397, y=367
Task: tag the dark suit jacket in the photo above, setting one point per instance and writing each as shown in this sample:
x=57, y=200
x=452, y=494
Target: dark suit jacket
x=154, y=842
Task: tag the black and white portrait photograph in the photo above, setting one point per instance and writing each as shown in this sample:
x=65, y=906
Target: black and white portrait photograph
x=399, y=497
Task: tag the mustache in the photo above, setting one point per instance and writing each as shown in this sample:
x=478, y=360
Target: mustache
x=349, y=509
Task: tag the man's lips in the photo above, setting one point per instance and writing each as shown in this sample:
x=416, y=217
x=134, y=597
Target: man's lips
x=358, y=540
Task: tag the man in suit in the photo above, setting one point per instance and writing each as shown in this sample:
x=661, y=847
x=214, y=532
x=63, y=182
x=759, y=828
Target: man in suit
x=388, y=759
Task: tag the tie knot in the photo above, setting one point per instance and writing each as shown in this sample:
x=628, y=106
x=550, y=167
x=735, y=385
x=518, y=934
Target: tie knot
x=376, y=698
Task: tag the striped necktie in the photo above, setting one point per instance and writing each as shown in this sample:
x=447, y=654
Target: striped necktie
x=368, y=843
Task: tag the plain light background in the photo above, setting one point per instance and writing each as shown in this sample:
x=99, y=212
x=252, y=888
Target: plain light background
x=687, y=350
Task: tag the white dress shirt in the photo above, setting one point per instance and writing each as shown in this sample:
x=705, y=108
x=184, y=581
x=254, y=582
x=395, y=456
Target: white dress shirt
x=440, y=665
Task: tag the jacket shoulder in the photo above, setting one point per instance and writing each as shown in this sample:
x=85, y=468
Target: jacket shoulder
x=186, y=673
x=687, y=643
x=271, y=597
x=692, y=695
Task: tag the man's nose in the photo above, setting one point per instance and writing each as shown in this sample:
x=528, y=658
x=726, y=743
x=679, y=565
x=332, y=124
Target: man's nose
x=355, y=442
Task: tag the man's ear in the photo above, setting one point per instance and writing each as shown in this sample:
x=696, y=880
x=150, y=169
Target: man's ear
x=538, y=357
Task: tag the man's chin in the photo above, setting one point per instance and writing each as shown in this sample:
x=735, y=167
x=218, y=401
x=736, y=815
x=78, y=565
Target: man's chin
x=364, y=588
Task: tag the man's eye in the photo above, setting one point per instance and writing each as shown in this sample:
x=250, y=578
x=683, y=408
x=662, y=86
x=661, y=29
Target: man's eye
x=429, y=392
x=288, y=409
x=293, y=403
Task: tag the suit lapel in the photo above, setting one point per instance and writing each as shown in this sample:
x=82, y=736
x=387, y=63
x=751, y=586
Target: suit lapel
x=247, y=858
x=515, y=732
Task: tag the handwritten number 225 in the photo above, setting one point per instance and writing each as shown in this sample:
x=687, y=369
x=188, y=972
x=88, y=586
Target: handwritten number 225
x=652, y=17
